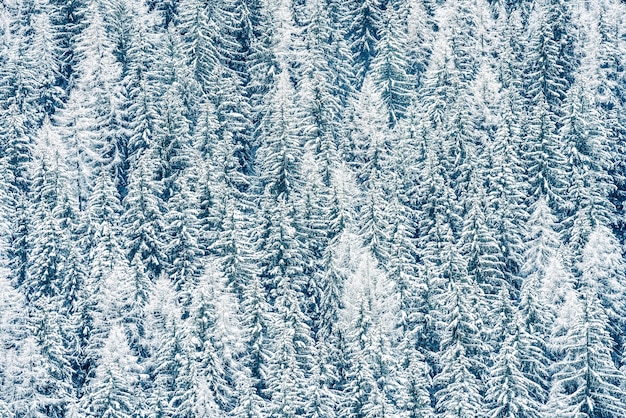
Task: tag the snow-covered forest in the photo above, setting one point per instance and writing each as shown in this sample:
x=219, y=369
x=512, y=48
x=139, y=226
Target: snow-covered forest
x=312, y=208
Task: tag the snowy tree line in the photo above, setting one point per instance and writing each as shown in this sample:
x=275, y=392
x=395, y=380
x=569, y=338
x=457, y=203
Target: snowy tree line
x=312, y=208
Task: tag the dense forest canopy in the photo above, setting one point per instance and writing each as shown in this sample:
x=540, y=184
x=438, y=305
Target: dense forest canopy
x=312, y=208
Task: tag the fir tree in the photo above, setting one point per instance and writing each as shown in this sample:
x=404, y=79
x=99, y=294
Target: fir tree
x=184, y=253
x=111, y=392
x=98, y=81
x=585, y=146
x=50, y=238
x=172, y=150
x=479, y=243
x=373, y=386
x=364, y=20
x=462, y=348
x=168, y=359
x=143, y=222
x=390, y=66
x=508, y=387
x=587, y=382
x=279, y=154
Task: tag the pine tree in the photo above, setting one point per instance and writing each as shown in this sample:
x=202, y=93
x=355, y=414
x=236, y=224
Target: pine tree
x=586, y=382
x=198, y=400
x=211, y=331
x=372, y=159
x=462, y=348
x=234, y=249
x=98, y=83
x=140, y=288
x=546, y=88
x=364, y=20
x=111, y=392
x=291, y=342
x=45, y=54
x=183, y=250
x=510, y=392
x=27, y=376
x=374, y=223
x=74, y=126
x=282, y=261
x=102, y=297
x=373, y=382
x=250, y=404
x=605, y=61
x=286, y=380
x=326, y=39
x=49, y=246
x=48, y=329
x=389, y=67
x=173, y=72
x=233, y=115
x=256, y=319
x=50, y=239
x=313, y=232
x=601, y=261
x=435, y=199
x=199, y=27
x=279, y=154
x=103, y=210
x=479, y=243
x=317, y=92
x=172, y=150
x=419, y=39
x=464, y=32
x=23, y=368
x=69, y=18
x=542, y=273
x=419, y=382
x=448, y=103
x=371, y=140
x=140, y=86
x=29, y=78
x=227, y=87
x=262, y=63
x=168, y=360
x=546, y=72
x=504, y=167
x=589, y=184
x=323, y=402
x=17, y=148
x=142, y=222
x=316, y=208
x=19, y=246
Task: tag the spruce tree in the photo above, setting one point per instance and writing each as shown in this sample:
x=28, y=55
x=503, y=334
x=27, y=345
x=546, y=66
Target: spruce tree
x=112, y=391
x=364, y=20
x=98, y=82
x=586, y=381
x=585, y=147
x=143, y=221
x=168, y=360
x=485, y=261
x=390, y=66
x=183, y=250
x=508, y=393
x=50, y=237
x=462, y=347
x=372, y=387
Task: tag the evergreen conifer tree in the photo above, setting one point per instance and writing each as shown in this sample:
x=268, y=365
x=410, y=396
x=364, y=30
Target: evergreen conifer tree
x=112, y=390
x=143, y=222
x=390, y=66
x=586, y=381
